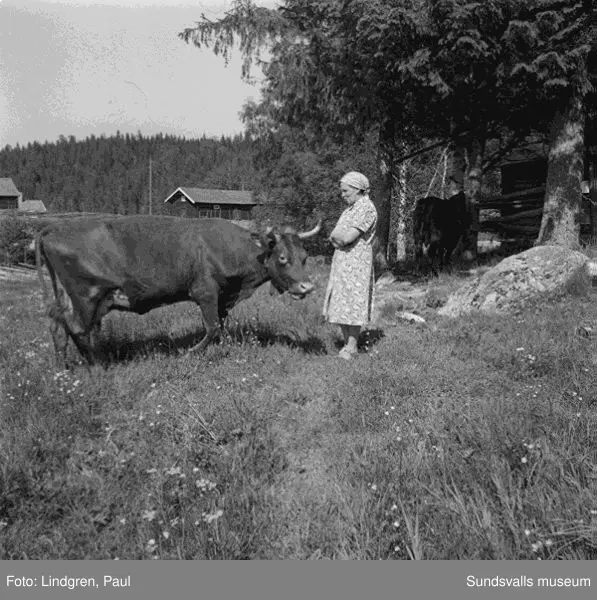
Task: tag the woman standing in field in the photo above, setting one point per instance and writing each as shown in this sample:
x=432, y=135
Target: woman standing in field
x=349, y=295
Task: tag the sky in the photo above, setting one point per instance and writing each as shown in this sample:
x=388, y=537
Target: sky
x=82, y=67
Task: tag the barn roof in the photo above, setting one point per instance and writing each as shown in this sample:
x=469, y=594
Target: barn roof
x=208, y=196
x=7, y=187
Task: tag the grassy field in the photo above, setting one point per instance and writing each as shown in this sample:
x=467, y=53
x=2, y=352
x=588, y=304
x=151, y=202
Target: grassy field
x=466, y=439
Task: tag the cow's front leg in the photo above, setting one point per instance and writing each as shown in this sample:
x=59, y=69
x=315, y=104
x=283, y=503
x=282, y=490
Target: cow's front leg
x=419, y=259
x=432, y=259
x=208, y=302
x=222, y=313
x=83, y=342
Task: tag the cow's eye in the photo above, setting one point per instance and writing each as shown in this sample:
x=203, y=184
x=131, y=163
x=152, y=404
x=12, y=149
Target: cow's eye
x=282, y=259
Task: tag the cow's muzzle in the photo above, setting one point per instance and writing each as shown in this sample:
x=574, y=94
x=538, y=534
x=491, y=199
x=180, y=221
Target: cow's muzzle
x=300, y=290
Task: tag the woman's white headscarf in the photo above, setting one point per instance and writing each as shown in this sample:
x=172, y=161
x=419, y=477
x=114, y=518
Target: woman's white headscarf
x=356, y=180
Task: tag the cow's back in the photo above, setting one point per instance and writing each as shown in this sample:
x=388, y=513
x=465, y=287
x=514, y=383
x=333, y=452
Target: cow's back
x=153, y=259
x=157, y=238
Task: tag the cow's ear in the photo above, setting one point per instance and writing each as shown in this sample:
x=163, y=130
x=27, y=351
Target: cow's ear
x=266, y=241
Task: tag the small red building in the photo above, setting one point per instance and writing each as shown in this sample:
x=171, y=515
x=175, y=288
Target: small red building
x=236, y=205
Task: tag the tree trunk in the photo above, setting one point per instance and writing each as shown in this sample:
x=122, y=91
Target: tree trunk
x=593, y=203
x=560, y=225
x=402, y=199
x=456, y=169
x=474, y=179
x=383, y=198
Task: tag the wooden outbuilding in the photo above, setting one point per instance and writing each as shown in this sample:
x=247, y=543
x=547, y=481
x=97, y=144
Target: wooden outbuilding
x=234, y=205
x=518, y=210
x=10, y=197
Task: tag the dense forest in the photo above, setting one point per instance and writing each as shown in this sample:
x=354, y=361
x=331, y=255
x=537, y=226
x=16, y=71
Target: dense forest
x=112, y=174
x=294, y=176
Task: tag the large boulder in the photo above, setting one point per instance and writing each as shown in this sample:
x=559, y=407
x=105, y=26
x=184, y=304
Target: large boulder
x=541, y=272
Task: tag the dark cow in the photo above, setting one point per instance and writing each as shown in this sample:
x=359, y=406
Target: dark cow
x=138, y=263
x=439, y=225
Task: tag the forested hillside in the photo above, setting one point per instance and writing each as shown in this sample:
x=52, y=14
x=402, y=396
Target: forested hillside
x=295, y=175
x=111, y=174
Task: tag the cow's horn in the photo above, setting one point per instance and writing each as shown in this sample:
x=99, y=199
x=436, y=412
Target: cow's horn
x=307, y=234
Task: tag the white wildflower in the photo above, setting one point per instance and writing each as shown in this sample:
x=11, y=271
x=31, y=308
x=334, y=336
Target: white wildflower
x=210, y=518
x=205, y=484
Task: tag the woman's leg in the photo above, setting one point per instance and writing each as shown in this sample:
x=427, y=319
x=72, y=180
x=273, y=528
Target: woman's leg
x=351, y=337
x=344, y=330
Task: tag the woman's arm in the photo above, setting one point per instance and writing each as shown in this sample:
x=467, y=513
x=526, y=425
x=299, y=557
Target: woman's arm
x=344, y=237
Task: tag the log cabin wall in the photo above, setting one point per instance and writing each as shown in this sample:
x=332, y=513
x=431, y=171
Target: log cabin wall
x=516, y=213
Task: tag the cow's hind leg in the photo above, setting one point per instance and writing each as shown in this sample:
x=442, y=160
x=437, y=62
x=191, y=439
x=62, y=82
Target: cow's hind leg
x=61, y=329
x=60, y=338
x=84, y=324
x=64, y=326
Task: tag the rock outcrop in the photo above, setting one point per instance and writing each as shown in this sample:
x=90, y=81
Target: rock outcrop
x=541, y=272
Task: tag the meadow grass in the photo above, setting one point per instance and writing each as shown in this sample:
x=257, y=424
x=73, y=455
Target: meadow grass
x=455, y=439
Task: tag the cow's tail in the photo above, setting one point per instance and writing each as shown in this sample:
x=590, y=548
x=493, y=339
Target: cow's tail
x=38, y=265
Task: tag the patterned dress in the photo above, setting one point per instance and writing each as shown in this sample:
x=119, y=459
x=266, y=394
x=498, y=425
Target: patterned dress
x=349, y=294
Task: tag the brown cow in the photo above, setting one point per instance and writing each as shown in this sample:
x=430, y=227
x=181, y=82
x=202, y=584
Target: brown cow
x=137, y=263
